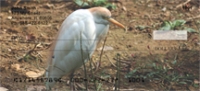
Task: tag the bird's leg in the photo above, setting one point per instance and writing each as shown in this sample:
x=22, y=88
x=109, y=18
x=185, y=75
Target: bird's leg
x=71, y=81
x=102, y=51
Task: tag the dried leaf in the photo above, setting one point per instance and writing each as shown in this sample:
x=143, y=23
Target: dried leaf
x=16, y=67
x=33, y=74
x=196, y=81
x=39, y=45
x=148, y=47
x=30, y=37
x=106, y=48
x=9, y=17
x=50, y=5
x=124, y=8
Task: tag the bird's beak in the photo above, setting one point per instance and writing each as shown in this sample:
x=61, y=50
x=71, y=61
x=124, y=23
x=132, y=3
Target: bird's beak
x=116, y=23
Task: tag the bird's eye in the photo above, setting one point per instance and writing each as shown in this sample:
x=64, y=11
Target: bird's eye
x=103, y=17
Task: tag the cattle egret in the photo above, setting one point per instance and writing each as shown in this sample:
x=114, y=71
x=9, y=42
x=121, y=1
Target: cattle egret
x=77, y=39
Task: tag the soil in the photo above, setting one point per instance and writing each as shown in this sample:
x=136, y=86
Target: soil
x=24, y=48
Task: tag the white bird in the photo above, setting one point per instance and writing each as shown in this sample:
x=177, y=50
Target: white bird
x=82, y=29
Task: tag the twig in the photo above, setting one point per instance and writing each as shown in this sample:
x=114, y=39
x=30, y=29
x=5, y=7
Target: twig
x=111, y=61
x=17, y=2
x=117, y=84
x=102, y=51
x=83, y=59
x=29, y=52
x=61, y=6
x=180, y=5
x=149, y=17
x=188, y=19
x=91, y=60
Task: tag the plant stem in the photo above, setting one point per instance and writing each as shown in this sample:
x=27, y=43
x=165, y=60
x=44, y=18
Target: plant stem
x=83, y=60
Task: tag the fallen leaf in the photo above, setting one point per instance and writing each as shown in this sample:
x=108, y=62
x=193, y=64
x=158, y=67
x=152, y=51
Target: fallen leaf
x=167, y=14
x=196, y=81
x=9, y=49
x=33, y=74
x=9, y=17
x=16, y=67
x=50, y=5
x=169, y=67
x=106, y=48
x=124, y=8
x=30, y=37
x=39, y=45
x=148, y=47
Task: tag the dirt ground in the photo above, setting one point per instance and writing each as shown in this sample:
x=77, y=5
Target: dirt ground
x=24, y=48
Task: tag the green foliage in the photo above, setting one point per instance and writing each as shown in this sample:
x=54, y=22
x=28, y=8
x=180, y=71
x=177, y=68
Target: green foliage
x=99, y=86
x=141, y=27
x=94, y=3
x=28, y=58
x=178, y=23
x=81, y=3
x=190, y=30
x=168, y=25
x=131, y=73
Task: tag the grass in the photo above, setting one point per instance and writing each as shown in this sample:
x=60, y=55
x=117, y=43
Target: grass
x=166, y=73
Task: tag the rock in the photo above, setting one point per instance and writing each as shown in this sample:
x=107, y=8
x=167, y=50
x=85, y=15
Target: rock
x=164, y=9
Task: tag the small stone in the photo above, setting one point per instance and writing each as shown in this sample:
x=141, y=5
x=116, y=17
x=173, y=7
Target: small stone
x=9, y=11
x=9, y=17
x=164, y=9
